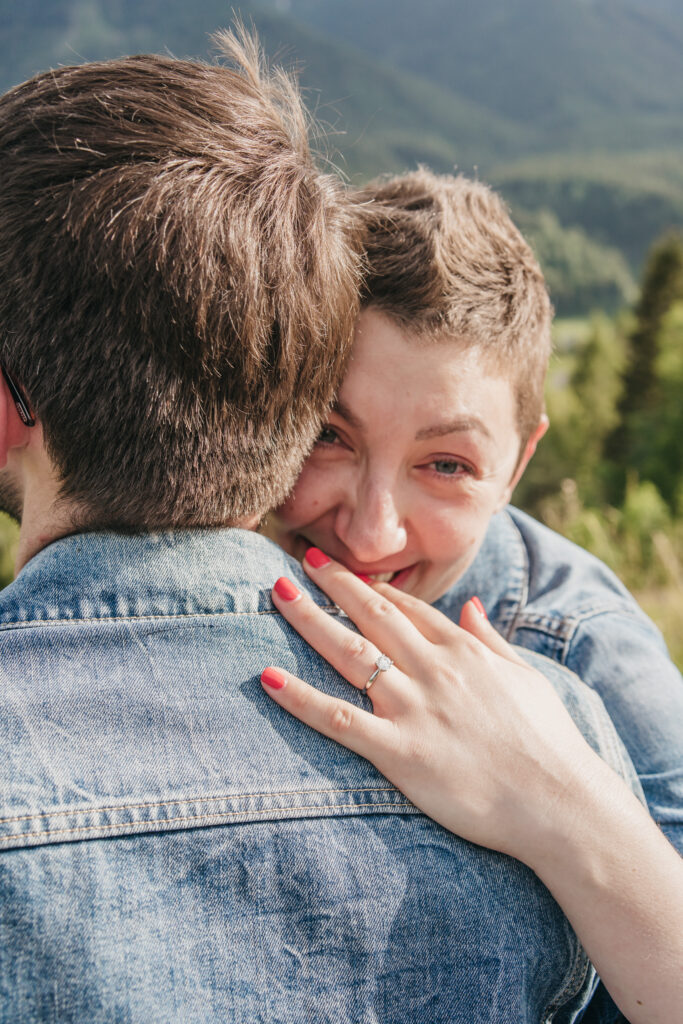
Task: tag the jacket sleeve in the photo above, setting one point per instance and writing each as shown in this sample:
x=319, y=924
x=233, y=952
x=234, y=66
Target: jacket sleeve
x=623, y=657
x=589, y=715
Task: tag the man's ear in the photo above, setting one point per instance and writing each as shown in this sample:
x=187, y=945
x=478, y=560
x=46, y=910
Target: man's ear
x=529, y=450
x=13, y=431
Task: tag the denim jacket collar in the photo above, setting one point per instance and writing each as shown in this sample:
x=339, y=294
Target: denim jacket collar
x=112, y=575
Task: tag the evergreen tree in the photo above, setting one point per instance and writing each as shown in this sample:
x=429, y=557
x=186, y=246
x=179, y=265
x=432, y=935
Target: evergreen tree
x=656, y=439
x=662, y=288
x=596, y=386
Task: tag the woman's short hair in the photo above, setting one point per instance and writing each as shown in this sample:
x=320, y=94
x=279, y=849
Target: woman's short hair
x=178, y=282
x=445, y=261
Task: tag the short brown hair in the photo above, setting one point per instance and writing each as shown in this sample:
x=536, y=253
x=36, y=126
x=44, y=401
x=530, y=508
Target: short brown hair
x=444, y=258
x=178, y=282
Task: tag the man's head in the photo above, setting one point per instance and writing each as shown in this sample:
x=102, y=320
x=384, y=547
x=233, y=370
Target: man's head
x=178, y=284
x=446, y=262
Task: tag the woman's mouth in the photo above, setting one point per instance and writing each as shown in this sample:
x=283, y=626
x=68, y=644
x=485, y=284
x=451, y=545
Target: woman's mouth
x=381, y=577
x=395, y=577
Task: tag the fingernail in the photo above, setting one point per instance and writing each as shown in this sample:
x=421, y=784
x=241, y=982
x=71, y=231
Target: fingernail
x=285, y=589
x=316, y=558
x=479, y=606
x=363, y=577
x=271, y=677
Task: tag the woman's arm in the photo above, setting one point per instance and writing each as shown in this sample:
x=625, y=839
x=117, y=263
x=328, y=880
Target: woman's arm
x=480, y=742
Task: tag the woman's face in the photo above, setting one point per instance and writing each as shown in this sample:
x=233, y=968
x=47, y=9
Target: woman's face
x=420, y=451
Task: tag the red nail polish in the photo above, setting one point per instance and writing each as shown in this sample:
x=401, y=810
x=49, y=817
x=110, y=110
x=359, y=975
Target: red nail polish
x=285, y=589
x=316, y=558
x=271, y=677
x=363, y=577
x=479, y=606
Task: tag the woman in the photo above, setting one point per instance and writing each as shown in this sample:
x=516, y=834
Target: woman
x=438, y=416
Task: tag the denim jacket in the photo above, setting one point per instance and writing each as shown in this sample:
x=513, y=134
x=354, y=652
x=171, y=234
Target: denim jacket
x=550, y=596
x=176, y=848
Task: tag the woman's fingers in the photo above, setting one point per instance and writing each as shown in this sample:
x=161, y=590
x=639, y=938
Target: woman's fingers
x=379, y=619
x=433, y=624
x=351, y=654
x=474, y=620
x=360, y=731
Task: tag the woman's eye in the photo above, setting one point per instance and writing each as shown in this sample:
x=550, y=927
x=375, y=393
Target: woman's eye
x=449, y=467
x=327, y=436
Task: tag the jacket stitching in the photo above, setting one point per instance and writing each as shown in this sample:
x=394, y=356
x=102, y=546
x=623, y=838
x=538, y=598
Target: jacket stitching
x=572, y=985
x=554, y=620
x=520, y=588
x=564, y=629
x=195, y=817
x=190, y=800
x=146, y=618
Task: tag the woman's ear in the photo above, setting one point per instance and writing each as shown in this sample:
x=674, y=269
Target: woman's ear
x=530, y=447
x=529, y=450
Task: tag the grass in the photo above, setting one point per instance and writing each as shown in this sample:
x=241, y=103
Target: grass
x=9, y=534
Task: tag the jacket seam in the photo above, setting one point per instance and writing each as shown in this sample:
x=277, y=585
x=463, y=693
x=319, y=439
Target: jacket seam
x=523, y=585
x=200, y=817
x=191, y=800
x=579, y=616
x=20, y=624
x=564, y=628
x=572, y=985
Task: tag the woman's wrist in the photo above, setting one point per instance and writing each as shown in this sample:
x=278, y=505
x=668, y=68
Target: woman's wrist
x=559, y=832
x=596, y=840
x=620, y=883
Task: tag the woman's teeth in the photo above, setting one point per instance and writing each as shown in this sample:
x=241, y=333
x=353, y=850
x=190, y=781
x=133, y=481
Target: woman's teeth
x=376, y=577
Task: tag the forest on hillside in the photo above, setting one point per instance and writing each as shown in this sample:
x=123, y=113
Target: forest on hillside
x=609, y=474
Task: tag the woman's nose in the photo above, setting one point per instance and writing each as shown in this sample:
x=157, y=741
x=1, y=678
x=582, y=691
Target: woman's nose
x=370, y=525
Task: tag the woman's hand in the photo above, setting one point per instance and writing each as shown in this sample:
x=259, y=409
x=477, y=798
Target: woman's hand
x=480, y=742
x=475, y=737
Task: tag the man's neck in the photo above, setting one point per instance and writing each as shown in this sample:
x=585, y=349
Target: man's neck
x=46, y=515
x=45, y=518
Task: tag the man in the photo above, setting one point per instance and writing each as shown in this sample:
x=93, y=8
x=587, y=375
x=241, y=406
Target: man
x=178, y=294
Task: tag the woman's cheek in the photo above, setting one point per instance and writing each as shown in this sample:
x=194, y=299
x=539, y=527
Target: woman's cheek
x=303, y=505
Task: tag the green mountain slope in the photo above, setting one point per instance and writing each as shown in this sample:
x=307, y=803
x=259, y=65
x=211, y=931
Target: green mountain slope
x=493, y=86
x=381, y=118
x=602, y=72
x=387, y=119
x=624, y=202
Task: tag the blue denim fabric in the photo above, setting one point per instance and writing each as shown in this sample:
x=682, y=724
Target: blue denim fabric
x=549, y=596
x=176, y=848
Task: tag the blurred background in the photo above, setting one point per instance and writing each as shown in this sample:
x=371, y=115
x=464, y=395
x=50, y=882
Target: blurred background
x=573, y=110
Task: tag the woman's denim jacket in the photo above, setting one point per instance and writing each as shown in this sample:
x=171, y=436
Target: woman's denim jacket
x=175, y=848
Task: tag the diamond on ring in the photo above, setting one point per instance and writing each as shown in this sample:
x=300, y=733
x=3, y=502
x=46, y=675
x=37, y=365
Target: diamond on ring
x=383, y=663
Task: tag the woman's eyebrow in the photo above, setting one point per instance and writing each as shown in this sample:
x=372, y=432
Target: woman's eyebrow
x=346, y=414
x=459, y=425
